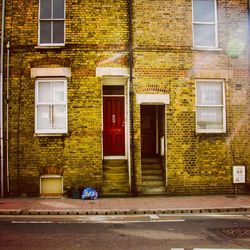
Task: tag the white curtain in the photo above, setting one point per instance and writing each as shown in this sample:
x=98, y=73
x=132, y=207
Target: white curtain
x=51, y=105
x=209, y=105
x=44, y=117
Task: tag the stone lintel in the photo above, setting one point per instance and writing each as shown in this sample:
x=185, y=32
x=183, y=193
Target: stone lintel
x=152, y=99
x=111, y=71
x=50, y=72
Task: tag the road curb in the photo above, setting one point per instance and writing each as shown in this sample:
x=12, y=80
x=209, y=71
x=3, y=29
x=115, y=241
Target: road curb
x=123, y=211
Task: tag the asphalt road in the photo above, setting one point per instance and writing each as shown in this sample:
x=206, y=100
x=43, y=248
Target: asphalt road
x=125, y=232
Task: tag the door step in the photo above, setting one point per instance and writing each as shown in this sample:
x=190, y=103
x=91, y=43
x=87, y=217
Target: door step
x=154, y=190
x=115, y=178
x=153, y=180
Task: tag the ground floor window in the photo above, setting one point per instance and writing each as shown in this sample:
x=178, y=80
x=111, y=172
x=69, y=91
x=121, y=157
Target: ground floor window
x=51, y=106
x=210, y=106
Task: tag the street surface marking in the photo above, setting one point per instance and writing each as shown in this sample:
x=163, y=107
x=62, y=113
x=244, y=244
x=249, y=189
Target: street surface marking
x=215, y=215
x=212, y=249
x=30, y=222
x=140, y=221
x=203, y=215
x=126, y=219
x=153, y=216
x=171, y=220
x=99, y=219
x=221, y=249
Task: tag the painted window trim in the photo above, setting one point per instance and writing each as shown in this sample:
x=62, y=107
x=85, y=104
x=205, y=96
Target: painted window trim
x=43, y=132
x=211, y=131
x=48, y=45
x=215, y=23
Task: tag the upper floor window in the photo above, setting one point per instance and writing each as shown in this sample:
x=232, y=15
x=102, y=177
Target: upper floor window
x=51, y=22
x=51, y=106
x=210, y=106
x=205, y=24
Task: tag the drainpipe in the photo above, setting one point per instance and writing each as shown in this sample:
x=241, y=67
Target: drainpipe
x=248, y=12
x=131, y=94
x=7, y=116
x=1, y=99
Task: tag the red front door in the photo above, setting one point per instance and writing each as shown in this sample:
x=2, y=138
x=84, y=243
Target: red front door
x=113, y=126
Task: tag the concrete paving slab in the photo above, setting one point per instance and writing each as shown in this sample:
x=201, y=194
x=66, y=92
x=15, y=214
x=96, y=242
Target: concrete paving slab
x=131, y=205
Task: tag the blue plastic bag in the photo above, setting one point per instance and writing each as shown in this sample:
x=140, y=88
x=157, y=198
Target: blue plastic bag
x=89, y=193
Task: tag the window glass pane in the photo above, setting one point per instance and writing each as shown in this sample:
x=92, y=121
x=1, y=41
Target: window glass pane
x=58, y=92
x=204, y=35
x=113, y=90
x=59, y=117
x=210, y=118
x=45, y=9
x=45, y=32
x=43, y=117
x=209, y=93
x=204, y=10
x=44, y=92
x=58, y=32
x=58, y=8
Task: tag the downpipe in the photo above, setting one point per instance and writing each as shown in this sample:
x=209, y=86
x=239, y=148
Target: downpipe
x=1, y=100
x=7, y=116
x=131, y=93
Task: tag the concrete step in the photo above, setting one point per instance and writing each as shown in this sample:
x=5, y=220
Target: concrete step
x=115, y=178
x=152, y=183
x=152, y=177
x=117, y=183
x=151, y=160
x=114, y=190
x=153, y=165
x=115, y=163
x=152, y=172
x=147, y=168
x=154, y=190
x=111, y=170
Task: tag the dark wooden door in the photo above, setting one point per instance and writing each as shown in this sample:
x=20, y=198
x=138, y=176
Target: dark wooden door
x=113, y=126
x=148, y=130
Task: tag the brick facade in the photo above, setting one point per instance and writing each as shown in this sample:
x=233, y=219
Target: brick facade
x=97, y=35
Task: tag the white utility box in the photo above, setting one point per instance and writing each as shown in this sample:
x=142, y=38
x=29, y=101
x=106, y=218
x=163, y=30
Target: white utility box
x=239, y=174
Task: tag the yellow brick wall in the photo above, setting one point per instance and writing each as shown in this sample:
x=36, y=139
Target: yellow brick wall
x=95, y=33
x=195, y=163
x=164, y=62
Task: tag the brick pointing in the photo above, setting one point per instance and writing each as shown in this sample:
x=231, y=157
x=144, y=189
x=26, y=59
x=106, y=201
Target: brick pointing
x=195, y=163
x=164, y=62
x=95, y=32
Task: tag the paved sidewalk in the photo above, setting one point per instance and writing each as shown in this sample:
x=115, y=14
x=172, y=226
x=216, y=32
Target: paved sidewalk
x=135, y=205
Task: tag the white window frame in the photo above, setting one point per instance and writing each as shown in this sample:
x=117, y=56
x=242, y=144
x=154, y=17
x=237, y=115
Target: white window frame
x=51, y=131
x=51, y=20
x=215, y=23
x=223, y=106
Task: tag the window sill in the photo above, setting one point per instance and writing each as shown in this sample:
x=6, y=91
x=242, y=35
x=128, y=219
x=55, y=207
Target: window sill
x=50, y=46
x=206, y=49
x=210, y=132
x=50, y=134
